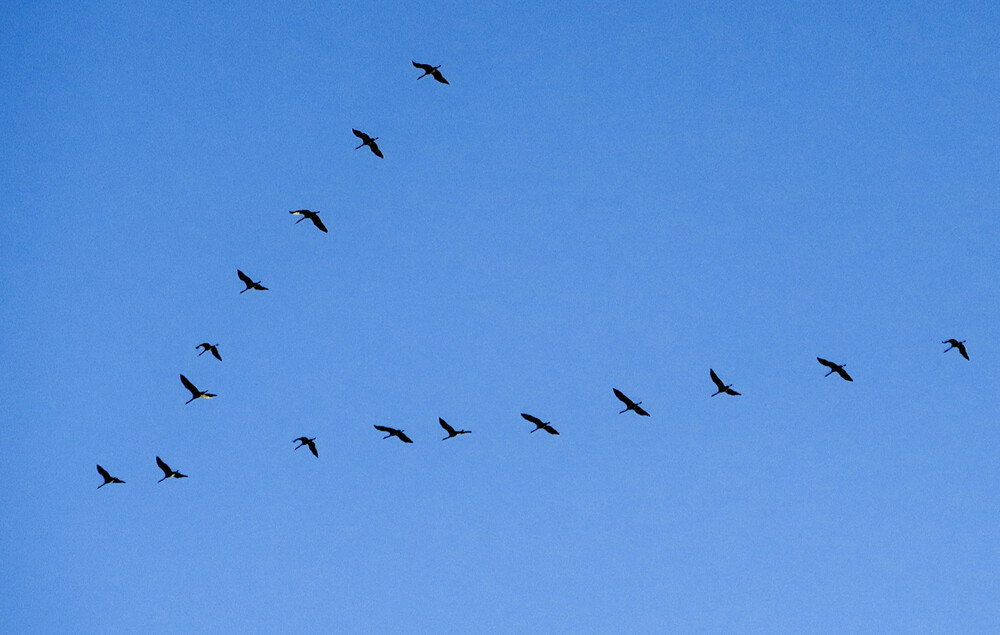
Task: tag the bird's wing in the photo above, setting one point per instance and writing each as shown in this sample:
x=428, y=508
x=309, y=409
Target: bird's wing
x=103, y=472
x=715, y=378
x=244, y=277
x=732, y=392
x=826, y=363
x=204, y=345
x=301, y=440
x=424, y=67
x=190, y=386
x=438, y=76
x=621, y=397
x=360, y=135
x=312, y=448
x=402, y=437
x=640, y=411
x=447, y=428
x=299, y=212
x=317, y=222
x=215, y=352
x=532, y=419
x=961, y=349
x=163, y=466
x=375, y=149
x=385, y=429
x=550, y=429
x=843, y=373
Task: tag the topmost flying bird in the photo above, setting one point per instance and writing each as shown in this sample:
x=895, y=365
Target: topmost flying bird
x=313, y=216
x=367, y=141
x=834, y=368
x=539, y=424
x=107, y=477
x=213, y=348
x=721, y=386
x=250, y=283
x=629, y=404
x=432, y=71
x=956, y=344
x=307, y=442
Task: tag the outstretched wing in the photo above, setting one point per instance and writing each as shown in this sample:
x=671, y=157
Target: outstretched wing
x=715, y=378
x=447, y=428
x=245, y=278
x=532, y=419
x=826, y=363
x=732, y=392
x=374, y=147
x=550, y=429
x=361, y=135
x=385, y=429
x=163, y=466
x=312, y=448
x=215, y=352
x=621, y=397
x=103, y=472
x=843, y=373
x=438, y=76
x=427, y=68
x=204, y=345
x=402, y=437
x=961, y=349
x=317, y=222
x=638, y=410
x=299, y=212
x=190, y=386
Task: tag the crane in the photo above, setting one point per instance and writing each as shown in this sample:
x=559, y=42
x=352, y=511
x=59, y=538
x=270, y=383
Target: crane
x=313, y=216
x=209, y=348
x=306, y=441
x=393, y=432
x=367, y=141
x=722, y=387
x=539, y=424
x=107, y=477
x=250, y=283
x=452, y=432
x=195, y=393
x=629, y=404
x=430, y=70
x=167, y=472
x=953, y=343
x=834, y=368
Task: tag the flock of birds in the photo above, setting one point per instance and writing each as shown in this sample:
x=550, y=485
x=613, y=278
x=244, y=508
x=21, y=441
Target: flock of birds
x=310, y=442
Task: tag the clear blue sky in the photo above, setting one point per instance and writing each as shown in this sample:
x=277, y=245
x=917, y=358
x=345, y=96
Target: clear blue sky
x=608, y=194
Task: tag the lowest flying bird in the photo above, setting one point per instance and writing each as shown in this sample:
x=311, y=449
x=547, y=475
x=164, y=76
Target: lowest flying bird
x=310, y=443
x=834, y=368
x=393, y=432
x=250, y=283
x=209, y=348
x=539, y=424
x=167, y=472
x=722, y=387
x=107, y=477
x=430, y=70
x=367, y=141
x=452, y=432
x=629, y=404
x=953, y=343
x=311, y=215
x=195, y=393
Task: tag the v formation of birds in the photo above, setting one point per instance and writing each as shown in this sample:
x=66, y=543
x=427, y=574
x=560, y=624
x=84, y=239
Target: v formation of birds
x=310, y=442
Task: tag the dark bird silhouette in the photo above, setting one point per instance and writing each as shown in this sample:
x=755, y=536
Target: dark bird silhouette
x=167, y=472
x=195, y=393
x=721, y=386
x=308, y=442
x=313, y=216
x=209, y=348
x=539, y=424
x=956, y=344
x=452, y=432
x=368, y=141
x=107, y=477
x=629, y=404
x=432, y=71
x=834, y=368
x=393, y=432
x=250, y=283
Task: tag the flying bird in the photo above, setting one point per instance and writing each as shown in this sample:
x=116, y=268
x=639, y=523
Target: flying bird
x=452, y=432
x=195, y=393
x=539, y=424
x=629, y=404
x=956, y=344
x=306, y=441
x=250, y=283
x=834, y=368
x=209, y=348
x=313, y=216
x=107, y=477
x=432, y=71
x=393, y=432
x=367, y=141
x=167, y=472
x=721, y=386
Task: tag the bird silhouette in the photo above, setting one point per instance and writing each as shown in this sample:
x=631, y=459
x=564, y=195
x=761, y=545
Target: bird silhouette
x=452, y=432
x=167, y=472
x=306, y=441
x=212, y=348
x=539, y=424
x=107, y=477
x=195, y=393
x=367, y=141
x=629, y=404
x=956, y=344
x=432, y=71
x=834, y=368
x=721, y=386
x=313, y=216
x=250, y=283
x=393, y=432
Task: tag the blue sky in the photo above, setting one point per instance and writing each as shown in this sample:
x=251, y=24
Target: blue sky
x=607, y=195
